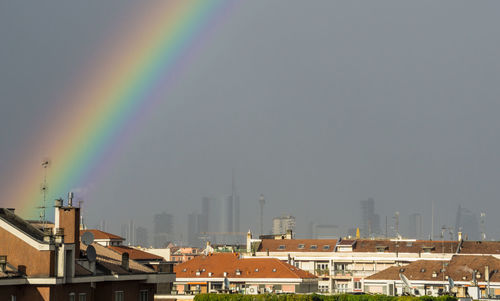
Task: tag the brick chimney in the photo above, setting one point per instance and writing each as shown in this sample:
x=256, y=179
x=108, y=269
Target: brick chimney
x=68, y=219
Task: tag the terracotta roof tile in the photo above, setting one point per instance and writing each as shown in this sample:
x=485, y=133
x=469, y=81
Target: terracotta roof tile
x=297, y=245
x=135, y=254
x=111, y=260
x=98, y=234
x=459, y=268
x=218, y=263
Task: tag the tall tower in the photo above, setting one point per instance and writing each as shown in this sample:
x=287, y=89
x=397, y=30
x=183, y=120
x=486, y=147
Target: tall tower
x=262, y=202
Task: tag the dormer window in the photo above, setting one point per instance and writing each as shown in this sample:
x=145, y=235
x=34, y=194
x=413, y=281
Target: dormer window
x=427, y=249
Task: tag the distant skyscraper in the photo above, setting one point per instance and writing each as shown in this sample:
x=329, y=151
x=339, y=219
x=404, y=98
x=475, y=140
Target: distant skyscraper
x=467, y=223
x=193, y=229
x=415, y=227
x=283, y=223
x=370, y=222
x=229, y=214
x=163, y=229
x=141, y=237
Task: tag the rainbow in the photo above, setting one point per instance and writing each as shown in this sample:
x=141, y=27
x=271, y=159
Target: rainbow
x=134, y=70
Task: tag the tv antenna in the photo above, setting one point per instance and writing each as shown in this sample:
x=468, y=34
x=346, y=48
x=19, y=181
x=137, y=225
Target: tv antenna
x=44, y=187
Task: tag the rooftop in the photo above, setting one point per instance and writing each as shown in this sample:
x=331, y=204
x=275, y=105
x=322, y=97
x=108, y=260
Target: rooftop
x=235, y=267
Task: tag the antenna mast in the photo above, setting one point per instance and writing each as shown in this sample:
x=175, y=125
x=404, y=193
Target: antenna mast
x=44, y=188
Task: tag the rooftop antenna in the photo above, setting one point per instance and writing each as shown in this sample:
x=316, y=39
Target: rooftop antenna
x=396, y=223
x=44, y=187
x=262, y=202
x=80, y=205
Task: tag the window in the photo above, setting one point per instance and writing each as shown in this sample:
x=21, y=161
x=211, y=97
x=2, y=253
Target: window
x=82, y=297
x=302, y=246
x=72, y=297
x=314, y=247
x=119, y=296
x=143, y=295
x=357, y=285
x=326, y=247
x=281, y=247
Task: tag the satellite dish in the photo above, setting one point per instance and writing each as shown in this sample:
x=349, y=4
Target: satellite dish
x=451, y=282
x=91, y=254
x=87, y=238
x=405, y=280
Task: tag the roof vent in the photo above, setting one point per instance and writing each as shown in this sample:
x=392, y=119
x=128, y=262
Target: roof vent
x=238, y=272
x=422, y=270
x=256, y=270
x=210, y=274
x=3, y=263
x=125, y=261
x=434, y=274
x=274, y=270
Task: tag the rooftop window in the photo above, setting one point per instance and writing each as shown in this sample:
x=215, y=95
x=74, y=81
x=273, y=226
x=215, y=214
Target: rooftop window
x=281, y=247
x=313, y=247
x=302, y=246
x=326, y=247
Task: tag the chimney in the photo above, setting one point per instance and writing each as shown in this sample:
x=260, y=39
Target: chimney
x=3, y=263
x=68, y=219
x=249, y=241
x=125, y=261
x=70, y=199
x=289, y=234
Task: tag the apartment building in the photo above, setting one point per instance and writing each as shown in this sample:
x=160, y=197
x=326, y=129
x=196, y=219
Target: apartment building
x=52, y=264
x=229, y=272
x=342, y=265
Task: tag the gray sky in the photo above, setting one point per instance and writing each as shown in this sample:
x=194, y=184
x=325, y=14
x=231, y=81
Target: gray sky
x=316, y=104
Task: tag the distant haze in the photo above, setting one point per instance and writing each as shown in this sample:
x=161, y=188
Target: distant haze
x=316, y=104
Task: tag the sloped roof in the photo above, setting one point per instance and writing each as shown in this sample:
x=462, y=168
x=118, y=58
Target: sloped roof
x=297, y=245
x=22, y=225
x=135, y=254
x=459, y=268
x=218, y=263
x=480, y=247
x=98, y=234
x=371, y=245
x=111, y=261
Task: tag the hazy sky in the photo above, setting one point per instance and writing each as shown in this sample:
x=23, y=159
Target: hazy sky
x=315, y=104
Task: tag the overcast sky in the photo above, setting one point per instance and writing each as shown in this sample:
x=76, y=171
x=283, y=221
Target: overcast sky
x=315, y=104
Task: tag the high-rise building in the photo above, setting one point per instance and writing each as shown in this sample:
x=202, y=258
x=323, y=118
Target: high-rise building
x=229, y=214
x=467, y=223
x=283, y=223
x=141, y=237
x=370, y=222
x=415, y=226
x=193, y=229
x=163, y=229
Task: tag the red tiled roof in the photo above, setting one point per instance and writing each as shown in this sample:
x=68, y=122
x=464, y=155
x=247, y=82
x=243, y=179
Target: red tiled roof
x=135, y=254
x=111, y=260
x=480, y=247
x=433, y=246
x=297, y=245
x=98, y=234
x=218, y=263
x=457, y=268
